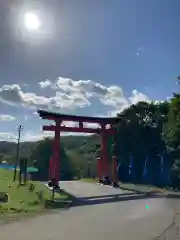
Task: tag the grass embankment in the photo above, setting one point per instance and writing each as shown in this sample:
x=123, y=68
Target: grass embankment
x=22, y=200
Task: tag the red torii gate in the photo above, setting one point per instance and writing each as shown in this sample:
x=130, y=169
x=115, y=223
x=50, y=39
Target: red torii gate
x=103, y=131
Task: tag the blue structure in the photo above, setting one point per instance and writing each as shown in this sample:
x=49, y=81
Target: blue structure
x=165, y=170
x=130, y=164
x=155, y=170
x=160, y=175
x=145, y=167
x=162, y=164
x=146, y=171
x=6, y=166
x=118, y=166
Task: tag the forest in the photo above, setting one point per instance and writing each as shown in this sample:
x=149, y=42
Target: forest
x=147, y=146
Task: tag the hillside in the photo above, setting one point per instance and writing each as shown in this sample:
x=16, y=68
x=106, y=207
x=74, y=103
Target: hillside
x=74, y=145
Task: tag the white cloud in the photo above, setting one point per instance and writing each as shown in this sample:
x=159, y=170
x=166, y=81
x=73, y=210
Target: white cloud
x=91, y=125
x=45, y=84
x=138, y=97
x=25, y=136
x=81, y=86
x=35, y=113
x=13, y=95
x=69, y=95
x=139, y=51
x=4, y=117
x=70, y=101
x=114, y=97
x=69, y=124
x=126, y=102
x=33, y=136
x=114, y=113
x=5, y=136
x=111, y=96
x=76, y=124
x=85, y=89
x=39, y=135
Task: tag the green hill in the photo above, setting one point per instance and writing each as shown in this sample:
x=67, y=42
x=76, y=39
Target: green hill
x=79, y=144
x=81, y=151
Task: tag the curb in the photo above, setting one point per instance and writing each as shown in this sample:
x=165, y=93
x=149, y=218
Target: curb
x=173, y=196
x=132, y=189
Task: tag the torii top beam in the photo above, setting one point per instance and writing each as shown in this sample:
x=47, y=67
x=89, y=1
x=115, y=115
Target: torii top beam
x=64, y=117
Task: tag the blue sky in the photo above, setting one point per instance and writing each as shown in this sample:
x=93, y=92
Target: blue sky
x=87, y=58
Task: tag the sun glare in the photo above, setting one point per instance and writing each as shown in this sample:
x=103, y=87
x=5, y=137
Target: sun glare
x=31, y=21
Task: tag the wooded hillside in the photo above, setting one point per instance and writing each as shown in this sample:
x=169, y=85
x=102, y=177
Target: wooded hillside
x=79, y=149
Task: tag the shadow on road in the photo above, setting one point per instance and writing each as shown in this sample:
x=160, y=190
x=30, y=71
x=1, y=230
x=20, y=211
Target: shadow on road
x=111, y=198
x=119, y=197
x=107, y=196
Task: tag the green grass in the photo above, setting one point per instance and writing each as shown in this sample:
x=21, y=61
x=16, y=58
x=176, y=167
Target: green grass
x=21, y=200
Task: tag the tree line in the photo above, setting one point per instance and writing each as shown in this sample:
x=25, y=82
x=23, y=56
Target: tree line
x=148, y=142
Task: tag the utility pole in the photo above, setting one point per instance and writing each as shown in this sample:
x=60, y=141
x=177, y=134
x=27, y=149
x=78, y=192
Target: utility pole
x=19, y=130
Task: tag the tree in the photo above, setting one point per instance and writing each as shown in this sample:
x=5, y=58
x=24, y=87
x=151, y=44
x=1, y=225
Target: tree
x=42, y=155
x=140, y=134
x=172, y=127
x=171, y=134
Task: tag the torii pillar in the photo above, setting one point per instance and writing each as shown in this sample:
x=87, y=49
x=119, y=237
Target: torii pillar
x=104, y=152
x=54, y=164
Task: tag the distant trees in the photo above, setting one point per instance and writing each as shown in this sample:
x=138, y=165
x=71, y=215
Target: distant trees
x=42, y=154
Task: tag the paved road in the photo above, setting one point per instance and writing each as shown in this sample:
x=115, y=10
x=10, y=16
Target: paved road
x=84, y=189
x=97, y=216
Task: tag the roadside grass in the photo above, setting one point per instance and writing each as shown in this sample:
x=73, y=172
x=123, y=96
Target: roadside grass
x=22, y=200
x=141, y=188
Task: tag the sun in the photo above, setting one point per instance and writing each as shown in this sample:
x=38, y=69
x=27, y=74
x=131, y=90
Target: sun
x=31, y=21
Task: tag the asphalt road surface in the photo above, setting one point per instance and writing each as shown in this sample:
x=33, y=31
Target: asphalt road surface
x=101, y=213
